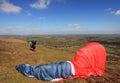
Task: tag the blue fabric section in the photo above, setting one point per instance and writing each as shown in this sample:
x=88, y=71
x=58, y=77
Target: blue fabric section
x=47, y=71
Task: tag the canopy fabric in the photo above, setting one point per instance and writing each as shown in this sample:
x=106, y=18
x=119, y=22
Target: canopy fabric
x=90, y=60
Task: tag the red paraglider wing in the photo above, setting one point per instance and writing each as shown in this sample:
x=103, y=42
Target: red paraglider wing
x=90, y=60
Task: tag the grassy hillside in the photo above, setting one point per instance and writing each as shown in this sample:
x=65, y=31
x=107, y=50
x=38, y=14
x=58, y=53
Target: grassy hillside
x=53, y=49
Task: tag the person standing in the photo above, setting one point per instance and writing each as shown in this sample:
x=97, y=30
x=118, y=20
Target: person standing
x=33, y=45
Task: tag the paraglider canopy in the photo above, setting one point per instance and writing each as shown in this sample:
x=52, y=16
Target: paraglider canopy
x=90, y=60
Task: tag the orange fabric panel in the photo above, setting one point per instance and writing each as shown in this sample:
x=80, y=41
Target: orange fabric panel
x=89, y=60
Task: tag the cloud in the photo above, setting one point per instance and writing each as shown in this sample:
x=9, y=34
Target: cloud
x=41, y=4
x=109, y=10
x=117, y=12
x=9, y=7
x=73, y=25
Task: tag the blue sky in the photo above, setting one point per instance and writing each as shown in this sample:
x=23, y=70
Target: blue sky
x=34, y=17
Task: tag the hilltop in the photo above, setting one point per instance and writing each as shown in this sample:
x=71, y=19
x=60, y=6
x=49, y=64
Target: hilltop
x=15, y=51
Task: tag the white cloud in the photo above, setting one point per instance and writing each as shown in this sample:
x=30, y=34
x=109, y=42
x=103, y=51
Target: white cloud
x=9, y=7
x=117, y=12
x=73, y=25
x=110, y=11
x=41, y=4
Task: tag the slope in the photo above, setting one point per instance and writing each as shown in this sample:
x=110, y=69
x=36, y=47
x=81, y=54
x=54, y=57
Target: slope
x=15, y=51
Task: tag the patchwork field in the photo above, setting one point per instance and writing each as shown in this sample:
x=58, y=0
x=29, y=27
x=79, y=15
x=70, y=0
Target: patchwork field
x=15, y=50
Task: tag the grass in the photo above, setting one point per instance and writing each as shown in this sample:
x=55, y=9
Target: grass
x=15, y=51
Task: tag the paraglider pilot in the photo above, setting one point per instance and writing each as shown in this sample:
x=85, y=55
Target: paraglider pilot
x=33, y=45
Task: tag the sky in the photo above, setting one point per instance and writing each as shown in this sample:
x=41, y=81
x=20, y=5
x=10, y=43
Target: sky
x=39, y=17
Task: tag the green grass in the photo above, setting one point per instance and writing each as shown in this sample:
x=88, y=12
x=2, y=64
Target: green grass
x=19, y=54
x=14, y=52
